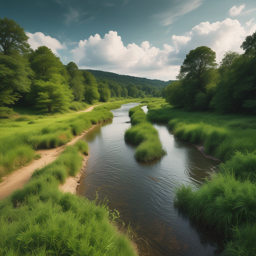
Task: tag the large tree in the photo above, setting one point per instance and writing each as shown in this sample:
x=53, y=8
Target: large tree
x=76, y=81
x=12, y=37
x=15, y=72
x=249, y=45
x=197, y=64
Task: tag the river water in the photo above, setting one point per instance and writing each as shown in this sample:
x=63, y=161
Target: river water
x=144, y=193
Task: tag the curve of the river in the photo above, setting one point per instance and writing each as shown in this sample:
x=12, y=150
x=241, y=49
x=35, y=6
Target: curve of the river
x=144, y=193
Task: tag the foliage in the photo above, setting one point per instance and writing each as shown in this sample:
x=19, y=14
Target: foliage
x=52, y=95
x=15, y=76
x=92, y=95
x=12, y=37
x=75, y=105
x=249, y=45
x=76, y=81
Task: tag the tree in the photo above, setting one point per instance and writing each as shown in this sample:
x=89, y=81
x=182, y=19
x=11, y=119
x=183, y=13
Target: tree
x=174, y=94
x=104, y=92
x=76, y=81
x=227, y=61
x=12, y=37
x=92, y=95
x=44, y=63
x=249, y=45
x=89, y=78
x=52, y=95
x=15, y=75
x=196, y=65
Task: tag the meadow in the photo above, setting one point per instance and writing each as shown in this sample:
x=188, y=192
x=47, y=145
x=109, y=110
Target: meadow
x=144, y=136
x=227, y=201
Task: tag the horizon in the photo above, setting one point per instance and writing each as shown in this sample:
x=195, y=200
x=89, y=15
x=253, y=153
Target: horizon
x=137, y=38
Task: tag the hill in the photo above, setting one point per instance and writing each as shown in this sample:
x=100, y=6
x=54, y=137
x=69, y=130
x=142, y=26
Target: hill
x=125, y=79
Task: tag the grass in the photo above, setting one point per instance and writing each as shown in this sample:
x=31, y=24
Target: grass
x=226, y=202
x=144, y=135
x=19, y=138
x=41, y=220
x=76, y=106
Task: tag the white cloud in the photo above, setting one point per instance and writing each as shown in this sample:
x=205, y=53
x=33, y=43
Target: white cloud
x=234, y=11
x=221, y=37
x=71, y=16
x=248, y=24
x=248, y=11
x=38, y=39
x=110, y=54
x=184, y=6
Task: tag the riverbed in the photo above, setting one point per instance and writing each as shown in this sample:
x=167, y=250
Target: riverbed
x=144, y=193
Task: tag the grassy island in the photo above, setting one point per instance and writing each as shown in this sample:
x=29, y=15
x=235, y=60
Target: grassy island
x=143, y=134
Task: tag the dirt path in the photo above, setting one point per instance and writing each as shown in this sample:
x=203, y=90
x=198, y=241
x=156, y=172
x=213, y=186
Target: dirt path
x=20, y=177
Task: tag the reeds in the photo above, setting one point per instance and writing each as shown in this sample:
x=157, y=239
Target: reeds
x=221, y=203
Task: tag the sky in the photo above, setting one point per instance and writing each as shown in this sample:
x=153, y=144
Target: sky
x=143, y=38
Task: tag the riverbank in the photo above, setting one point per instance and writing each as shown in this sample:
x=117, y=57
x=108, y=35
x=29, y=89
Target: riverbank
x=226, y=202
x=67, y=224
x=21, y=176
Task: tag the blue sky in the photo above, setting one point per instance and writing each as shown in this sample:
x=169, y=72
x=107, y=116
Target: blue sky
x=145, y=38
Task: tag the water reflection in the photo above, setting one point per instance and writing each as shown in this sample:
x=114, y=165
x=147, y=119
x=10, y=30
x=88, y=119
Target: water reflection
x=144, y=193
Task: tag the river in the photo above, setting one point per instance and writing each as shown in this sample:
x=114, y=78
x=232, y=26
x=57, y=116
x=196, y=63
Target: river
x=144, y=193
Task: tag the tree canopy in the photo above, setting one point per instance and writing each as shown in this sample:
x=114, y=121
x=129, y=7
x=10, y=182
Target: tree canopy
x=12, y=37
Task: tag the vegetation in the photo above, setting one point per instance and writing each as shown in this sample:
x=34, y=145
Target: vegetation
x=230, y=88
x=37, y=78
x=143, y=134
x=226, y=202
x=18, y=140
x=41, y=220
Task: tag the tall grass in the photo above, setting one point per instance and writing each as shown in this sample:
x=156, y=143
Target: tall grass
x=227, y=202
x=17, y=150
x=221, y=203
x=41, y=220
x=144, y=135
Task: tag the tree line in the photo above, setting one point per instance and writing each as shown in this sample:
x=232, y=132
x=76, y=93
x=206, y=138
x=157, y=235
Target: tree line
x=38, y=79
x=229, y=87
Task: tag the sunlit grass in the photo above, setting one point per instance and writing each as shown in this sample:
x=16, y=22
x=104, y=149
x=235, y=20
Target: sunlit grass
x=41, y=220
x=144, y=135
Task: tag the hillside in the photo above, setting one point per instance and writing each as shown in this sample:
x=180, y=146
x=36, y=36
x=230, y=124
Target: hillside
x=125, y=79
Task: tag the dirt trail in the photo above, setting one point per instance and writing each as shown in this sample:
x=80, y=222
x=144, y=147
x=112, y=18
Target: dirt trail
x=20, y=177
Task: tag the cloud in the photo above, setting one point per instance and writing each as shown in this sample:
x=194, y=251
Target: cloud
x=71, y=16
x=38, y=39
x=234, y=11
x=248, y=24
x=250, y=10
x=167, y=18
x=110, y=54
x=221, y=37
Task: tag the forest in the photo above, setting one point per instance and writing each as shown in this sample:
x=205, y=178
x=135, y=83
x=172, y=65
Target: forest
x=225, y=88
x=39, y=80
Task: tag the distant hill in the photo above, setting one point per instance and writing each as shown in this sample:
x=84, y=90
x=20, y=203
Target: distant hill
x=125, y=79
